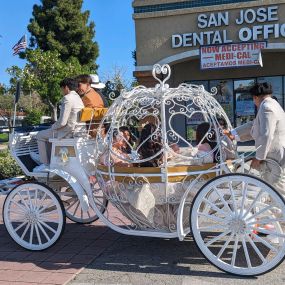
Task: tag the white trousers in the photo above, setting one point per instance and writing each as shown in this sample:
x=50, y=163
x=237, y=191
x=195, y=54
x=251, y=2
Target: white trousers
x=43, y=144
x=275, y=176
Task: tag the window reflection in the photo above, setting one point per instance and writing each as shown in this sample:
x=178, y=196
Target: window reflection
x=276, y=83
x=225, y=95
x=245, y=108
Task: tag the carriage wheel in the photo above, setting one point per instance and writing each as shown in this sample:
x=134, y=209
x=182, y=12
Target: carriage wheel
x=246, y=168
x=34, y=216
x=238, y=223
x=73, y=208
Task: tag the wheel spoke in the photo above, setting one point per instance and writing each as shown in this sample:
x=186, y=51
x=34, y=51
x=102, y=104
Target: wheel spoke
x=246, y=252
x=223, y=200
x=25, y=231
x=213, y=206
x=20, y=206
x=41, y=201
x=31, y=233
x=267, y=244
x=20, y=226
x=225, y=246
x=212, y=217
x=38, y=234
x=272, y=233
x=16, y=212
x=46, y=207
x=211, y=241
x=23, y=200
x=36, y=199
x=258, y=252
x=47, y=220
x=252, y=204
x=267, y=221
x=259, y=213
x=76, y=208
x=233, y=197
x=233, y=262
x=244, y=196
x=48, y=213
x=211, y=228
x=43, y=231
x=47, y=226
x=30, y=201
x=75, y=200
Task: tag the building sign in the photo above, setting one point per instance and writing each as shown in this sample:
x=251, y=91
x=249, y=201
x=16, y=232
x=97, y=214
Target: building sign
x=251, y=22
x=231, y=55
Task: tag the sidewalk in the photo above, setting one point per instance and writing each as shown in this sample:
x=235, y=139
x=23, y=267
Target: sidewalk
x=79, y=246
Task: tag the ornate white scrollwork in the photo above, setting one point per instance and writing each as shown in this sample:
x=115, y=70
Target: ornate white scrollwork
x=164, y=70
x=150, y=200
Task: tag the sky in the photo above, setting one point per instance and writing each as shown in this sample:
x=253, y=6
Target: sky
x=114, y=33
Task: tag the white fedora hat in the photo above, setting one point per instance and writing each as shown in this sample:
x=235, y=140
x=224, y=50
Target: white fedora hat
x=96, y=82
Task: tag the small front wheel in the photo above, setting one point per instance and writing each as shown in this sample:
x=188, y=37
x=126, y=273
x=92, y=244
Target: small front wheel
x=34, y=216
x=238, y=223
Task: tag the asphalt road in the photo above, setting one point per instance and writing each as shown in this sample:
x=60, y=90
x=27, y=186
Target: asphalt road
x=145, y=261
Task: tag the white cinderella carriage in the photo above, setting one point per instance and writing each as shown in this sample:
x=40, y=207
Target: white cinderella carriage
x=236, y=220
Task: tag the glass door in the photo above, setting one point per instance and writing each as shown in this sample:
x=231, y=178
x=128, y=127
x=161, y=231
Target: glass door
x=244, y=106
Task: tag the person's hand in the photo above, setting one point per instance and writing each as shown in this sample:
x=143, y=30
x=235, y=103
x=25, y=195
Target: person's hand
x=228, y=134
x=255, y=163
x=175, y=148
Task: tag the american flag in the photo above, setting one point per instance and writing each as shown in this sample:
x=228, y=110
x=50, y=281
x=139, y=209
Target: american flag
x=21, y=44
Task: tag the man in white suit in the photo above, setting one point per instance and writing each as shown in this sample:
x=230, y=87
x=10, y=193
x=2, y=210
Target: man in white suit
x=268, y=132
x=71, y=105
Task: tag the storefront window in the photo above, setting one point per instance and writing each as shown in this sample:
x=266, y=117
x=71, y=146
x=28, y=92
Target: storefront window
x=225, y=95
x=244, y=106
x=205, y=83
x=277, y=87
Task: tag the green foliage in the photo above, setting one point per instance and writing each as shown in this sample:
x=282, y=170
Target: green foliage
x=4, y=137
x=3, y=89
x=33, y=118
x=44, y=72
x=8, y=166
x=60, y=25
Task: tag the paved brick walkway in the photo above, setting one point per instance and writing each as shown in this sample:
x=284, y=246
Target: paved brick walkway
x=78, y=247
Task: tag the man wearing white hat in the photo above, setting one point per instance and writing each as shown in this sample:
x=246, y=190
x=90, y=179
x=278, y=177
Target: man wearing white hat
x=90, y=97
x=98, y=86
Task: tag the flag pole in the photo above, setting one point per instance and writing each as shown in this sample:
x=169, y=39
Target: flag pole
x=14, y=118
x=17, y=97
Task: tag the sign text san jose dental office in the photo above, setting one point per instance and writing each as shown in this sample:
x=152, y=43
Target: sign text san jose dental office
x=245, y=34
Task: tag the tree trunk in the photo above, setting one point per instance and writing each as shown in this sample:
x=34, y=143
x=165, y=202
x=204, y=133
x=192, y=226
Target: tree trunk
x=54, y=113
x=53, y=110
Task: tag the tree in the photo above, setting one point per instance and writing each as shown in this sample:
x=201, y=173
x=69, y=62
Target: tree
x=44, y=72
x=61, y=26
x=29, y=104
x=115, y=82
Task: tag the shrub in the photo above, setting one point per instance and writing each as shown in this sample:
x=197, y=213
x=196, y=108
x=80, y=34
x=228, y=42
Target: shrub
x=33, y=118
x=8, y=166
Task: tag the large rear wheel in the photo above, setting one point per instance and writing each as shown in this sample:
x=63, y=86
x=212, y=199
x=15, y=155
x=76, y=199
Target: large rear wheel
x=73, y=208
x=237, y=221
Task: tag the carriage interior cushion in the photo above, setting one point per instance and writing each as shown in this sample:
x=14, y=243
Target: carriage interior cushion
x=90, y=114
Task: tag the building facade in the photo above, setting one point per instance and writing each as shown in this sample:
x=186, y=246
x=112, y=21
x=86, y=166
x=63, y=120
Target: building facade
x=179, y=32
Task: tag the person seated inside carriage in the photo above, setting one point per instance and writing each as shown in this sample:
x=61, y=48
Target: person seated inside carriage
x=151, y=146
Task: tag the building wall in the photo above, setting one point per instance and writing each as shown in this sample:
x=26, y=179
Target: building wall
x=154, y=30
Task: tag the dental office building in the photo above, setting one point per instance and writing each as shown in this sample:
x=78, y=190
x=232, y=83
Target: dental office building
x=225, y=44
